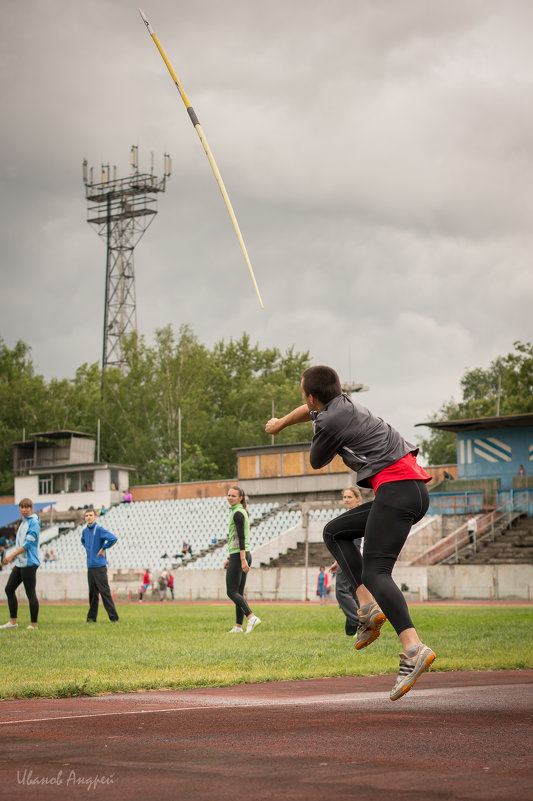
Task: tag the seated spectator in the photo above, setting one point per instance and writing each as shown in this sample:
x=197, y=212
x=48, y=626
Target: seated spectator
x=46, y=556
x=53, y=557
x=186, y=549
x=128, y=497
x=103, y=511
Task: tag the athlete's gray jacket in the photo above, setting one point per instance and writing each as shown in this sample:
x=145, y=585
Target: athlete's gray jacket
x=365, y=443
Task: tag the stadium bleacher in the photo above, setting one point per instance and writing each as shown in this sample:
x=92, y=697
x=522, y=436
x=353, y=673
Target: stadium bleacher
x=147, y=530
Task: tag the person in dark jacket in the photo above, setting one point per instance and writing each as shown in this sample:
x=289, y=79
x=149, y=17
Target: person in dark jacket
x=96, y=540
x=386, y=463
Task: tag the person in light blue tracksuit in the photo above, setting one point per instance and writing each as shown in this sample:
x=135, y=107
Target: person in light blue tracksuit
x=26, y=558
x=96, y=540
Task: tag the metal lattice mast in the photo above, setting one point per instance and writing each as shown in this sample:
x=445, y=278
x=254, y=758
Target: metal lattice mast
x=120, y=210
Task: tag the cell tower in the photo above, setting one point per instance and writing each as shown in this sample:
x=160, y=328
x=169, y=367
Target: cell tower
x=120, y=210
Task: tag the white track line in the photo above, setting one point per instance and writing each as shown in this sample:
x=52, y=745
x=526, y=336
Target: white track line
x=107, y=714
x=331, y=700
x=233, y=703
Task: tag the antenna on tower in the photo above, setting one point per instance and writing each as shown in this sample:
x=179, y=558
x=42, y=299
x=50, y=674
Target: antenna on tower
x=121, y=210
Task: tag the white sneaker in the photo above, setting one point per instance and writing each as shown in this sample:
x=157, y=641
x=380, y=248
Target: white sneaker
x=252, y=623
x=10, y=625
x=33, y=628
x=235, y=630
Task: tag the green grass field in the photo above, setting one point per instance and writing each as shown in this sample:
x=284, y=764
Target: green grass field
x=181, y=646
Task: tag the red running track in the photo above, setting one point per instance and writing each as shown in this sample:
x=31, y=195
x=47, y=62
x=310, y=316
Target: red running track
x=454, y=736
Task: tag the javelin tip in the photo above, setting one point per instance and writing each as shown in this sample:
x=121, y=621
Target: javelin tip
x=144, y=19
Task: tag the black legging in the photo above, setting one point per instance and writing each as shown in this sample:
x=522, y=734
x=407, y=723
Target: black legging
x=28, y=577
x=385, y=524
x=235, y=582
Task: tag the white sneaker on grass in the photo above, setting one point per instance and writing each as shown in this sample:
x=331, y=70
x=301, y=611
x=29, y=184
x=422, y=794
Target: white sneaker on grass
x=252, y=623
x=10, y=625
x=236, y=630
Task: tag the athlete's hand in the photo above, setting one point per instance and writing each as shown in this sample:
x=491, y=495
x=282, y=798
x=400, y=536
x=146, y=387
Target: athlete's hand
x=245, y=567
x=225, y=565
x=273, y=426
x=333, y=568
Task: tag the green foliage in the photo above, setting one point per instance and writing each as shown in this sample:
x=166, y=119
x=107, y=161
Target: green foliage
x=223, y=397
x=505, y=387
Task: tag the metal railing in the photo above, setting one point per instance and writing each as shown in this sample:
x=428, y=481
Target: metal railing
x=489, y=525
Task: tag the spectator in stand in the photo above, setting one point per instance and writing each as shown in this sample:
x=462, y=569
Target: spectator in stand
x=53, y=557
x=128, y=497
x=322, y=585
x=171, y=584
x=472, y=529
x=46, y=557
x=103, y=511
x=147, y=580
x=26, y=557
x=186, y=549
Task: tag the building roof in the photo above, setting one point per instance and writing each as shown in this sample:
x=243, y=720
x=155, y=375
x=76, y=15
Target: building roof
x=64, y=434
x=69, y=467
x=479, y=423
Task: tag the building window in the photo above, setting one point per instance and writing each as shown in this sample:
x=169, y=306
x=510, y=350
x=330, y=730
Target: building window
x=45, y=485
x=87, y=480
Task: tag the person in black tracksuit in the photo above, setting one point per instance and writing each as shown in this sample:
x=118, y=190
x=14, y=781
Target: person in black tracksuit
x=386, y=462
x=344, y=592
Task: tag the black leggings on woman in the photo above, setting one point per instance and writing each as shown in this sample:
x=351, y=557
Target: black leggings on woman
x=28, y=577
x=235, y=582
x=385, y=524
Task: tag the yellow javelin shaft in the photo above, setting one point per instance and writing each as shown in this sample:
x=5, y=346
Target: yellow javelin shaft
x=207, y=150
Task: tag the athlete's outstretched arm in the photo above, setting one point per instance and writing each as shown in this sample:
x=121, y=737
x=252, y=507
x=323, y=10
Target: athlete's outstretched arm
x=298, y=415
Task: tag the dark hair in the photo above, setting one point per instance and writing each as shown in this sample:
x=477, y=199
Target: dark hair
x=242, y=494
x=322, y=382
x=25, y=502
x=89, y=509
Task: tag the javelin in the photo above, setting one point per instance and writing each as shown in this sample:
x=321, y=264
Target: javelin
x=203, y=140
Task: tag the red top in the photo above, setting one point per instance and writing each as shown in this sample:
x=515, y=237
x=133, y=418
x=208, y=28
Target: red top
x=405, y=468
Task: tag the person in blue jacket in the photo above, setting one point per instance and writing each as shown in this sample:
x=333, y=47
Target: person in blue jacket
x=26, y=556
x=96, y=540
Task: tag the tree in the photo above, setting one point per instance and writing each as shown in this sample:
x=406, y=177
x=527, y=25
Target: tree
x=223, y=396
x=505, y=387
x=22, y=398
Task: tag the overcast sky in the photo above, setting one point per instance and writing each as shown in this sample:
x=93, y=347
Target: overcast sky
x=378, y=155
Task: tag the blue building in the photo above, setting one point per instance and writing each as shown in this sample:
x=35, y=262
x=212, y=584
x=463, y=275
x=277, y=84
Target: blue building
x=494, y=458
